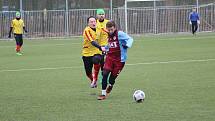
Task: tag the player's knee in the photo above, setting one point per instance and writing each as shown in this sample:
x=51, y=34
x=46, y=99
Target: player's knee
x=112, y=82
x=96, y=59
x=88, y=71
x=105, y=74
x=112, y=79
x=89, y=74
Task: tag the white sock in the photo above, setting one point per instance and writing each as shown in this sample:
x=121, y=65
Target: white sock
x=104, y=92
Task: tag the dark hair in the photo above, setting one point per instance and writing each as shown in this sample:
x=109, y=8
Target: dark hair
x=90, y=18
x=110, y=24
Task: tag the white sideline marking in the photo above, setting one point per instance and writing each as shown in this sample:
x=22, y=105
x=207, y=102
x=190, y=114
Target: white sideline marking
x=168, y=62
x=154, y=39
x=9, y=46
x=39, y=69
x=145, y=63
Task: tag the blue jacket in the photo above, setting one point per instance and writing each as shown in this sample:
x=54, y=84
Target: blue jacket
x=194, y=16
x=124, y=40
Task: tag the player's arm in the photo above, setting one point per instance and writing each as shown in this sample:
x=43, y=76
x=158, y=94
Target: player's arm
x=92, y=40
x=190, y=18
x=11, y=29
x=125, y=39
x=198, y=20
x=94, y=43
x=24, y=27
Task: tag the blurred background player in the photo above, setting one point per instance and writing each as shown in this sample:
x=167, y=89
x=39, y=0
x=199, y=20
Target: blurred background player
x=17, y=26
x=118, y=42
x=194, y=20
x=91, y=49
x=101, y=38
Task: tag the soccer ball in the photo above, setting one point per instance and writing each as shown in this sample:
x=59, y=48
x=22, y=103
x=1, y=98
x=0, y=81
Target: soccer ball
x=139, y=96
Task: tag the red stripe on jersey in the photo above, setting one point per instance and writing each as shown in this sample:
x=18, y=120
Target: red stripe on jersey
x=87, y=36
x=91, y=35
x=104, y=30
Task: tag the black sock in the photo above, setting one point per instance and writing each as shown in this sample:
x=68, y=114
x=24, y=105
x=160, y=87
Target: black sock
x=112, y=79
x=104, y=79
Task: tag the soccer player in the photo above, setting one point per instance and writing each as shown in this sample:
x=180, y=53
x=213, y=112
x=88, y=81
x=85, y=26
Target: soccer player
x=102, y=36
x=118, y=43
x=194, y=20
x=17, y=26
x=91, y=49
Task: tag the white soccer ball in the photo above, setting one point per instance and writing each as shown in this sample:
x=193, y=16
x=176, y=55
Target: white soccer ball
x=139, y=96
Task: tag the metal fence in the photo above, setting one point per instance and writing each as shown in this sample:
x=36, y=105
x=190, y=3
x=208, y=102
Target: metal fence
x=59, y=23
x=169, y=19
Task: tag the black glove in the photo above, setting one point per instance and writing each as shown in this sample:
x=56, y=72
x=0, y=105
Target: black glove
x=9, y=36
x=25, y=29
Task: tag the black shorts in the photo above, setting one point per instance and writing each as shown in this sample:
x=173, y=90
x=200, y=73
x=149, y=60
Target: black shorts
x=90, y=60
x=18, y=38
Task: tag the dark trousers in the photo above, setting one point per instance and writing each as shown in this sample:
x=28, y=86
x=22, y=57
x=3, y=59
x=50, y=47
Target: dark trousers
x=19, y=40
x=89, y=61
x=88, y=65
x=102, y=62
x=194, y=26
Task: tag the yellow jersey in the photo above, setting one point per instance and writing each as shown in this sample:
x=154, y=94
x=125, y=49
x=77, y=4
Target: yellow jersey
x=17, y=26
x=102, y=35
x=89, y=35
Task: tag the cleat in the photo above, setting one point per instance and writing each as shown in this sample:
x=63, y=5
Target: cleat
x=109, y=89
x=93, y=84
x=18, y=53
x=101, y=97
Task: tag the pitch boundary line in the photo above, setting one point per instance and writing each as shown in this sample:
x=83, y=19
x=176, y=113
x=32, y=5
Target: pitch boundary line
x=134, y=64
x=40, y=45
x=40, y=69
x=169, y=62
x=75, y=43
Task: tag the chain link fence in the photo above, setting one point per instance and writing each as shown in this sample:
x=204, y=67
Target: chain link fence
x=59, y=23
